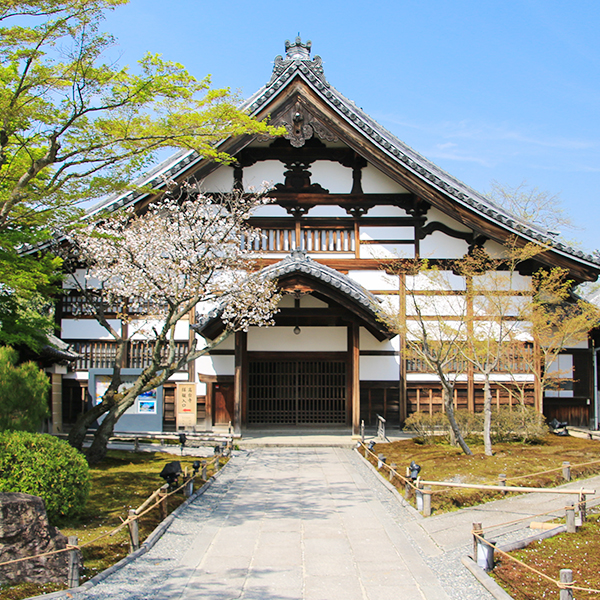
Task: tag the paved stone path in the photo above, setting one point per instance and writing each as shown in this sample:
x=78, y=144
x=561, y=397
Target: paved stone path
x=312, y=524
x=293, y=523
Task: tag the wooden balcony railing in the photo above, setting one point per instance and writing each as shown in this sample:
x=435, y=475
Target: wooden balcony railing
x=101, y=355
x=315, y=239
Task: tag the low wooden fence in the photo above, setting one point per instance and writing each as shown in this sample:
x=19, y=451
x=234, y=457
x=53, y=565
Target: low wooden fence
x=158, y=499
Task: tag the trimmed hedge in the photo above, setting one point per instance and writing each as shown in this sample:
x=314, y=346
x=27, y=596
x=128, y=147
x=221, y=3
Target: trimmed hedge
x=45, y=466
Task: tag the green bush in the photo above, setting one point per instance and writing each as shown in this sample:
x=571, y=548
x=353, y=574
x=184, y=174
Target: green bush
x=44, y=466
x=23, y=393
x=520, y=423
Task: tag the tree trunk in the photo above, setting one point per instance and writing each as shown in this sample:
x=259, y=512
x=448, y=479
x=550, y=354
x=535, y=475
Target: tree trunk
x=487, y=416
x=448, y=391
x=80, y=429
x=97, y=451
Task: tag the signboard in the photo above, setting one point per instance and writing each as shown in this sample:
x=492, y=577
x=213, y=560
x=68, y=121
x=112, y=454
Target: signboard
x=185, y=405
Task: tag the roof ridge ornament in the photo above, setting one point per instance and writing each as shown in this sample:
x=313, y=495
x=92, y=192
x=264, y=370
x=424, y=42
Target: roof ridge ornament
x=297, y=54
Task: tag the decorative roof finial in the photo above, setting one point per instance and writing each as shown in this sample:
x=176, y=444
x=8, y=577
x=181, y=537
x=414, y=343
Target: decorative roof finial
x=297, y=50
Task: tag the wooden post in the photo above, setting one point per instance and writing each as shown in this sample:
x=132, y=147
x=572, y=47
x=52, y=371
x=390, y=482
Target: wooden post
x=240, y=345
x=57, y=424
x=407, y=486
x=134, y=532
x=217, y=463
x=566, y=576
x=362, y=431
x=566, y=471
x=162, y=495
x=380, y=461
x=136, y=444
x=188, y=490
x=392, y=470
x=353, y=349
x=570, y=518
x=582, y=508
x=73, y=573
x=477, y=529
x=502, y=480
x=204, y=476
x=427, y=501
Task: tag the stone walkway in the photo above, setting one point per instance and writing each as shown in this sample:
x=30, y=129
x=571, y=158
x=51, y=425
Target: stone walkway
x=310, y=524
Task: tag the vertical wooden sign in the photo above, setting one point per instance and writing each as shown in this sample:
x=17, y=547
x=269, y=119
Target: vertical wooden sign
x=185, y=405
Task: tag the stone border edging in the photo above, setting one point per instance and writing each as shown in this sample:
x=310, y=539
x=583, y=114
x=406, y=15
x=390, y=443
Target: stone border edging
x=414, y=512
x=151, y=540
x=488, y=582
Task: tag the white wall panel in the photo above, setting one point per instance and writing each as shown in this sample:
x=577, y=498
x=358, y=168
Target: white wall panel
x=452, y=306
x=435, y=280
x=269, y=171
x=87, y=329
x=78, y=279
x=387, y=233
x=495, y=250
x=142, y=329
x=440, y=245
x=370, y=342
x=327, y=211
x=220, y=180
x=379, y=368
x=375, y=182
x=271, y=210
x=502, y=280
x=215, y=365
x=375, y=280
x=387, y=211
x=332, y=176
x=310, y=339
x=387, y=251
x=433, y=214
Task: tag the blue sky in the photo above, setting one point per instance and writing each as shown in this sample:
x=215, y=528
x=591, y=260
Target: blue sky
x=488, y=90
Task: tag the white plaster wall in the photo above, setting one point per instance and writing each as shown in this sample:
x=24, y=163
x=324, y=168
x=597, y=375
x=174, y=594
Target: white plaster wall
x=379, y=368
x=141, y=329
x=387, y=211
x=370, y=342
x=390, y=303
x=220, y=180
x=431, y=306
x=271, y=210
x=327, y=211
x=435, y=280
x=387, y=233
x=375, y=280
x=494, y=249
x=502, y=280
x=309, y=301
x=387, y=251
x=581, y=344
x=87, y=329
x=215, y=365
x=435, y=329
x=201, y=388
x=509, y=306
x=287, y=301
x=433, y=214
x=73, y=282
x=270, y=171
x=332, y=176
x=227, y=344
x=310, y=339
x=440, y=245
x=375, y=182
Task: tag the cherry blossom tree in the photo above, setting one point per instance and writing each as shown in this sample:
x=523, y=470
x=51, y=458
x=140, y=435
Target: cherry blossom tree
x=189, y=252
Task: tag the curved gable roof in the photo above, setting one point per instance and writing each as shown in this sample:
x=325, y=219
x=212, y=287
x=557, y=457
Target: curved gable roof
x=299, y=267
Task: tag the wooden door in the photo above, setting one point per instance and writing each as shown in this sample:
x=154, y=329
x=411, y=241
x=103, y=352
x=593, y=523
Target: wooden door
x=223, y=396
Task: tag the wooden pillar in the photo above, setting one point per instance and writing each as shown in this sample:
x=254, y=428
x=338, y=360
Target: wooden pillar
x=240, y=351
x=354, y=377
x=538, y=392
x=191, y=337
x=403, y=395
x=57, y=424
x=470, y=370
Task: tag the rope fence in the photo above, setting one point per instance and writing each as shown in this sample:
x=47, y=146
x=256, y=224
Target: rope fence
x=131, y=522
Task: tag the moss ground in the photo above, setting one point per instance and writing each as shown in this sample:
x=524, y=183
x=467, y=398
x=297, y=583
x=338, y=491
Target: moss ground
x=442, y=462
x=122, y=481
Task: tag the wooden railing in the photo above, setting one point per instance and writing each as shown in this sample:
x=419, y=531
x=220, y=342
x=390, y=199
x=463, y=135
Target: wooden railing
x=101, y=355
x=315, y=239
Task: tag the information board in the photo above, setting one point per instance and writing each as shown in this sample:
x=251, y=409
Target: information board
x=185, y=405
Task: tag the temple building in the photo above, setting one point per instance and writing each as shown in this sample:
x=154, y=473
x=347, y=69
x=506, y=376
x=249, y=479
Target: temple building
x=348, y=196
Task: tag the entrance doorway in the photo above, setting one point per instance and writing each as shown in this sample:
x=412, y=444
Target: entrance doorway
x=297, y=391
x=223, y=398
